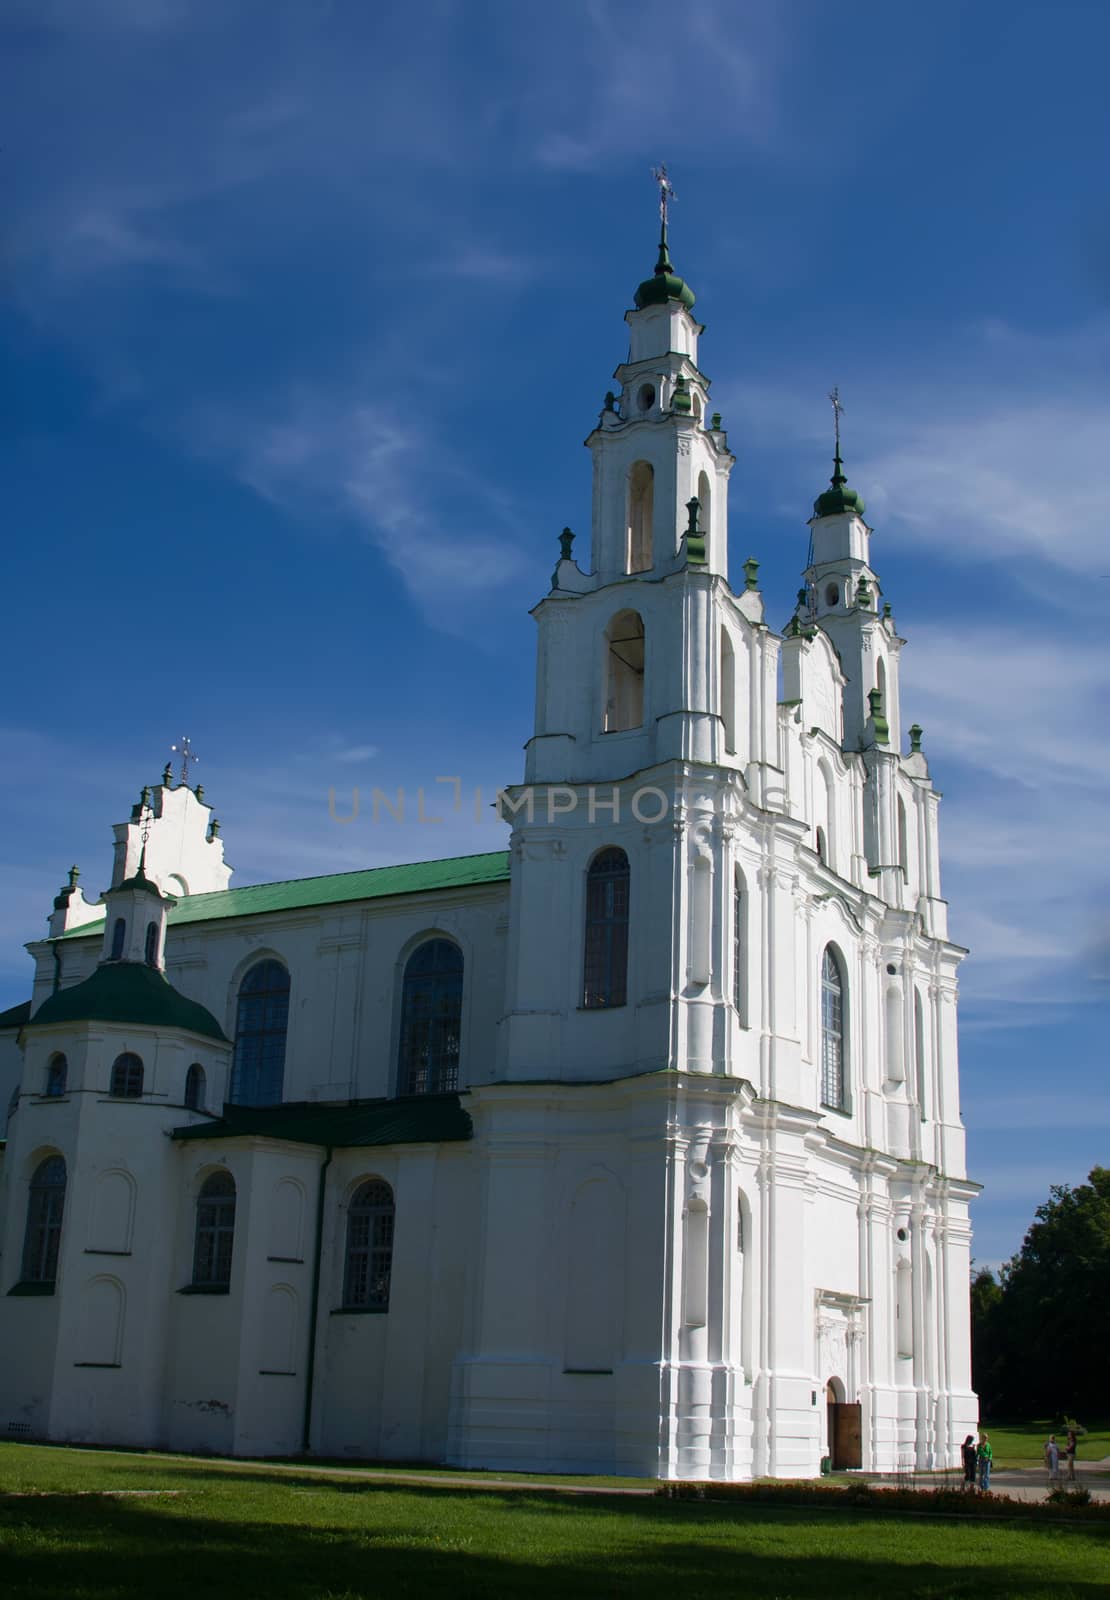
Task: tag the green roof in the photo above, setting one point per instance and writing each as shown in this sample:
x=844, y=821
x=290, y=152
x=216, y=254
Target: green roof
x=15, y=1016
x=128, y=992
x=260, y=899
x=417, y=1119
x=839, y=498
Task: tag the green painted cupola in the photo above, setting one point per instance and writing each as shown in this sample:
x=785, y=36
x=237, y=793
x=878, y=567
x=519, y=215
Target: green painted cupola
x=664, y=284
x=838, y=499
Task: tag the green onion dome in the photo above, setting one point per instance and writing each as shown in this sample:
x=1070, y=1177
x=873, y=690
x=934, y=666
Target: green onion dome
x=664, y=284
x=839, y=498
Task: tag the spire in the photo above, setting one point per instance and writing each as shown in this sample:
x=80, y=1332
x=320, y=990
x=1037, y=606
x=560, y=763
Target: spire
x=839, y=498
x=664, y=285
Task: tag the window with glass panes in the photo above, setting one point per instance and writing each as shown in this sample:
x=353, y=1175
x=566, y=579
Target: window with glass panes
x=832, y=1032
x=605, y=976
x=431, y=1018
x=127, y=1077
x=215, y=1231
x=369, y=1258
x=46, y=1200
x=261, y=1024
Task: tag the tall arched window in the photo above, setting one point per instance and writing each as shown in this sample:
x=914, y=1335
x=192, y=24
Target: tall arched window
x=215, y=1232
x=57, y=1074
x=705, y=508
x=119, y=936
x=832, y=1031
x=369, y=1258
x=738, y=910
x=195, y=1087
x=431, y=1018
x=641, y=512
x=624, y=672
x=261, y=1023
x=606, y=956
x=127, y=1077
x=151, y=952
x=728, y=691
x=46, y=1201
x=919, y=1054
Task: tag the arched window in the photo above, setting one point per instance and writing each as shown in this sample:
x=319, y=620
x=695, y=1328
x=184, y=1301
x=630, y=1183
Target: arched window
x=738, y=909
x=624, y=672
x=261, y=1023
x=641, y=512
x=705, y=508
x=728, y=692
x=151, y=952
x=369, y=1259
x=919, y=1054
x=832, y=594
x=606, y=956
x=46, y=1201
x=127, y=1077
x=119, y=936
x=215, y=1233
x=832, y=1031
x=195, y=1087
x=56, y=1075
x=431, y=1018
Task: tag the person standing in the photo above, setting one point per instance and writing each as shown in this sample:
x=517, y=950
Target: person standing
x=1070, y=1450
x=1052, y=1458
x=968, y=1452
x=986, y=1458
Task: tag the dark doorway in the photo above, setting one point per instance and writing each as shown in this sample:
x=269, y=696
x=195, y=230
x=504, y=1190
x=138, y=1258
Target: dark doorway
x=845, y=1431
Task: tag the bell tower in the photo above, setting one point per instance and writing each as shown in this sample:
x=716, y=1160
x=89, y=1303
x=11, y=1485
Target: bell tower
x=657, y=447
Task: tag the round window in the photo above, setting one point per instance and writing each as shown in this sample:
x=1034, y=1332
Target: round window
x=646, y=397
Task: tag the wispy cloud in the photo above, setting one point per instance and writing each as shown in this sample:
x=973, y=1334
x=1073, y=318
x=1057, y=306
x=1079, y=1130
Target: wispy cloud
x=448, y=535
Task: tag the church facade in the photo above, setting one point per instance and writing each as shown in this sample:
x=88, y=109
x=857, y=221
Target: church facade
x=635, y=1148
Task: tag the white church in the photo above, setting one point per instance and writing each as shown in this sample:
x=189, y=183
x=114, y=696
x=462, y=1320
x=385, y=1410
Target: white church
x=636, y=1149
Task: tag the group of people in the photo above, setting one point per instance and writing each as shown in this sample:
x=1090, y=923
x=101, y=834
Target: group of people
x=1052, y=1456
x=978, y=1459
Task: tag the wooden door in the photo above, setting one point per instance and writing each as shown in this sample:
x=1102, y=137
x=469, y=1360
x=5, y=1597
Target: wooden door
x=846, y=1435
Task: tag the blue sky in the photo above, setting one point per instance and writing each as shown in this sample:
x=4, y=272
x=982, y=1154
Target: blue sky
x=308, y=307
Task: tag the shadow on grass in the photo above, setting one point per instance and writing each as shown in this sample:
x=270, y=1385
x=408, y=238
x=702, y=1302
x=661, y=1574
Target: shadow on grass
x=83, y=1549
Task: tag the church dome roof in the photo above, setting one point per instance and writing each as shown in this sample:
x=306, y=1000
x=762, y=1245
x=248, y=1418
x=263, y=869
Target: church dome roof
x=664, y=284
x=839, y=498
x=127, y=991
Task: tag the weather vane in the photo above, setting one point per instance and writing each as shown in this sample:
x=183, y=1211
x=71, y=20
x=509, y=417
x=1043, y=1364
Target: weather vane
x=838, y=407
x=666, y=192
x=186, y=752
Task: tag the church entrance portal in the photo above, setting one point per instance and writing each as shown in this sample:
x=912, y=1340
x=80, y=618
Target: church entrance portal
x=845, y=1428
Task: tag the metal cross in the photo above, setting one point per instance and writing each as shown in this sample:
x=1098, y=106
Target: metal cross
x=834, y=397
x=666, y=191
x=186, y=752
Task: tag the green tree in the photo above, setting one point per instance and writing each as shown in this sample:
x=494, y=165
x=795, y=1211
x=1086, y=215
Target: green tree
x=1043, y=1340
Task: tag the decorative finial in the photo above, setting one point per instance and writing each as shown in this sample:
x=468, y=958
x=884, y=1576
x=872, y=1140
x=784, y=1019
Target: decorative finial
x=666, y=194
x=915, y=739
x=610, y=400
x=680, y=400
x=167, y=775
x=186, y=752
x=887, y=611
x=838, y=478
x=75, y=871
x=878, y=720
x=199, y=792
x=213, y=829
x=751, y=573
x=715, y=422
x=566, y=540
x=695, y=539
x=863, y=594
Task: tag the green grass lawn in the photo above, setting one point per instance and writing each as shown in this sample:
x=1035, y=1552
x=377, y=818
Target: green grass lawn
x=263, y=1532
x=1021, y=1444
